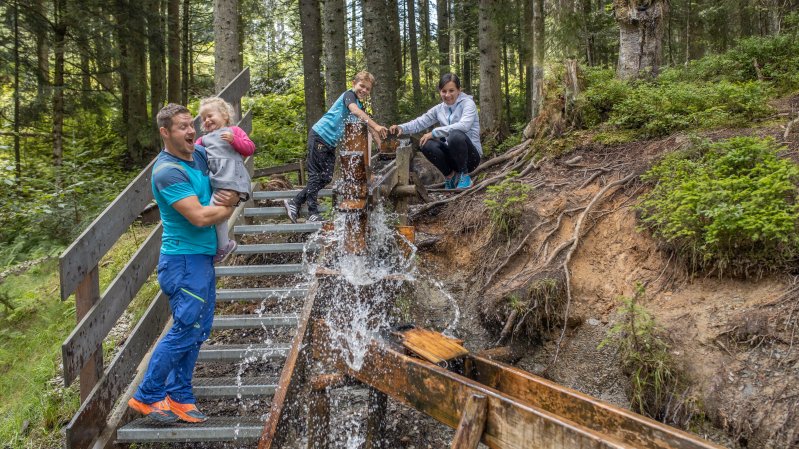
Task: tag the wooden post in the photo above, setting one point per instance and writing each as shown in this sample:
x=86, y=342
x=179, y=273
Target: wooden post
x=86, y=295
x=473, y=420
x=319, y=419
x=301, y=180
x=376, y=422
x=404, y=155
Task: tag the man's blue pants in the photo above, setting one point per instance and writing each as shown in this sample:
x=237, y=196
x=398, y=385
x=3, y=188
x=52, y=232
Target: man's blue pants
x=190, y=283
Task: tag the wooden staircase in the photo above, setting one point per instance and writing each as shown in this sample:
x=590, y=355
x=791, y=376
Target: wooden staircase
x=285, y=295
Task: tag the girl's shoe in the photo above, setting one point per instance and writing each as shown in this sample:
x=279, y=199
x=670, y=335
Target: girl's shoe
x=452, y=183
x=222, y=253
x=464, y=182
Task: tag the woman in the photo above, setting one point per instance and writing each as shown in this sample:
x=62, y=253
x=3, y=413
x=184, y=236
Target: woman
x=454, y=146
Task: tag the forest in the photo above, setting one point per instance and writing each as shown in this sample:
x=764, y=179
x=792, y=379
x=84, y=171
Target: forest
x=81, y=83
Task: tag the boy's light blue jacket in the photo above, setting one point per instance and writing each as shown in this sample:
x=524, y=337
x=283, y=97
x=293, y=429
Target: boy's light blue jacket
x=460, y=116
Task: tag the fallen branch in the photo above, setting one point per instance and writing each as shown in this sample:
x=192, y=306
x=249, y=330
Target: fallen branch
x=508, y=326
x=575, y=242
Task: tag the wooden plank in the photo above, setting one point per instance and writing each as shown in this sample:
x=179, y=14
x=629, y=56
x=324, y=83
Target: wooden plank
x=442, y=394
x=623, y=425
x=289, y=383
x=246, y=123
x=231, y=93
x=472, y=423
x=404, y=155
x=432, y=346
x=90, y=418
x=87, y=250
x=86, y=296
x=278, y=169
x=94, y=327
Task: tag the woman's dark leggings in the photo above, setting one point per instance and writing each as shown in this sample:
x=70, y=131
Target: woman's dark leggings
x=456, y=153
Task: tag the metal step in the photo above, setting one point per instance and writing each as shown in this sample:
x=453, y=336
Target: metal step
x=231, y=387
x=254, y=321
x=285, y=194
x=275, y=212
x=278, y=228
x=260, y=270
x=217, y=428
x=234, y=353
x=259, y=294
x=274, y=248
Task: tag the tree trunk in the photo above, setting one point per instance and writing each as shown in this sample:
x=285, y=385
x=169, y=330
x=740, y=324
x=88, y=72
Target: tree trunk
x=640, y=36
x=226, y=42
x=536, y=85
x=185, y=54
x=335, y=46
x=505, y=77
x=354, y=24
x=42, y=50
x=442, y=10
x=17, y=154
x=774, y=16
x=491, y=120
x=174, y=86
x=381, y=58
x=155, y=38
x=60, y=33
x=395, y=39
x=417, y=86
x=138, y=138
x=310, y=22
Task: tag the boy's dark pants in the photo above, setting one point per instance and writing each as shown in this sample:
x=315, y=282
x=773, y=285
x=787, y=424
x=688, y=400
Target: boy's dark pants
x=320, y=164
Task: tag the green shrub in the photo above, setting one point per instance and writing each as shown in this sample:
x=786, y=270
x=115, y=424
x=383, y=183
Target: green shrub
x=660, y=109
x=656, y=383
x=728, y=206
x=278, y=127
x=504, y=202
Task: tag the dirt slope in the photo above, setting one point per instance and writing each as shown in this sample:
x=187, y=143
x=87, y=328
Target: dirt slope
x=734, y=338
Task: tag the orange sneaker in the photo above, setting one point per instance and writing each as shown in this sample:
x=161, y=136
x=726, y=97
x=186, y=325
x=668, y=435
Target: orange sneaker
x=186, y=412
x=157, y=411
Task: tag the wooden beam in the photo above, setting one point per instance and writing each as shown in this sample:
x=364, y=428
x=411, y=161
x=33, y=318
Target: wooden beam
x=279, y=169
x=442, y=394
x=90, y=419
x=319, y=419
x=86, y=296
x=87, y=250
x=95, y=325
x=623, y=425
x=404, y=155
x=472, y=423
x=376, y=420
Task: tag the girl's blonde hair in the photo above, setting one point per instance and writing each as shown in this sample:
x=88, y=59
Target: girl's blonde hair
x=363, y=75
x=225, y=108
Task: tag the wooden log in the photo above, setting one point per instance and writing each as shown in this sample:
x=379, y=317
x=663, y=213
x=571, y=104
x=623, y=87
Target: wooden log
x=90, y=419
x=404, y=156
x=86, y=251
x=95, y=324
x=86, y=296
x=472, y=423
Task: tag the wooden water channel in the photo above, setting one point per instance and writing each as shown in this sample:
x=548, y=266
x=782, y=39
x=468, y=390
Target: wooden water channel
x=484, y=400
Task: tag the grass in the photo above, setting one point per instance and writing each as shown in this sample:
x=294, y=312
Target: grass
x=34, y=405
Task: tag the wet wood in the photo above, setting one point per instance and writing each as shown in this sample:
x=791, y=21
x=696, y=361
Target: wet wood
x=319, y=419
x=432, y=346
x=291, y=379
x=631, y=429
x=376, y=421
x=404, y=155
x=442, y=395
x=472, y=423
x=323, y=381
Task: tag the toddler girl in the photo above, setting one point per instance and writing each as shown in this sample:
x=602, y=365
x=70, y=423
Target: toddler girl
x=226, y=146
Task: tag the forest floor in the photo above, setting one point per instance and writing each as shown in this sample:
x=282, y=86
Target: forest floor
x=733, y=338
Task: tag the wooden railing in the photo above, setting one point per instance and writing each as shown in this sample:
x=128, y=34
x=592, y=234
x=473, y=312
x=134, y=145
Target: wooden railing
x=97, y=314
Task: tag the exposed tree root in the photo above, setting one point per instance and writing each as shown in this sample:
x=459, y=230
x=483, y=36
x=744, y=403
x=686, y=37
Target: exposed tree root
x=510, y=256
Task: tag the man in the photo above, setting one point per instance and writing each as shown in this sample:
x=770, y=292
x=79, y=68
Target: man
x=183, y=192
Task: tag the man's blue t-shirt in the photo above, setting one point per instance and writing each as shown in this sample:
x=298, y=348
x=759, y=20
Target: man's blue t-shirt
x=331, y=126
x=174, y=179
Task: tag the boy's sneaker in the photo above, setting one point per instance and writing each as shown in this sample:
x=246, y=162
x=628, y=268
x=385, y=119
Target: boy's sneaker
x=314, y=218
x=291, y=210
x=222, y=253
x=157, y=411
x=464, y=182
x=186, y=412
x=452, y=183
